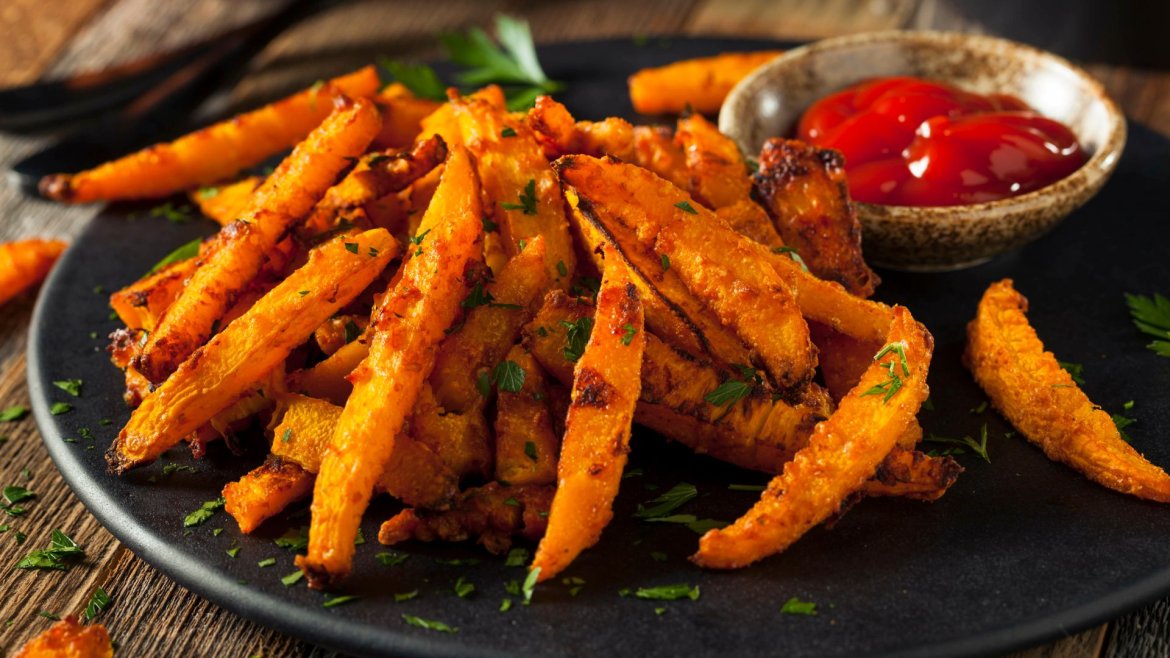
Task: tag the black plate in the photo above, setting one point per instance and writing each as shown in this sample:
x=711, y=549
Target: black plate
x=1020, y=551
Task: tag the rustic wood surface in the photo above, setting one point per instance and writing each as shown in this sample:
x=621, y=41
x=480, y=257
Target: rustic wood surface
x=153, y=616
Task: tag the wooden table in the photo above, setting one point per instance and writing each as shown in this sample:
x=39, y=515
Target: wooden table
x=153, y=616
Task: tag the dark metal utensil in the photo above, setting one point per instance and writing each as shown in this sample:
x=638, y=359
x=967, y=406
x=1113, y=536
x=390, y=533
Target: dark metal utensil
x=163, y=107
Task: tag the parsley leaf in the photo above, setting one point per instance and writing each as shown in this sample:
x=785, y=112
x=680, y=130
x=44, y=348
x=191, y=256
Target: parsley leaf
x=517, y=557
x=14, y=413
x=428, y=624
x=729, y=392
x=15, y=494
x=293, y=578
x=791, y=254
x=514, y=65
x=628, y=337
x=509, y=376
x=668, y=592
x=1152, y=316
x=98, y=602
x=795, y=606
x=58, y=408
x=527, y=200
x=686, y=207
x=660, y=506
x=577, y=337
x=530, y=450
x=339, y=600
x=70, y=386
x=463, y=588
x=1119, y=420
x=390, y=559
x=420, y=79
x=185, y=252
x=205, y=511
x=61, y=551
x=529, y=585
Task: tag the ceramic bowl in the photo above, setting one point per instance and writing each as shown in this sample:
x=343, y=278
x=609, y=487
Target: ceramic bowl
x=769, y=102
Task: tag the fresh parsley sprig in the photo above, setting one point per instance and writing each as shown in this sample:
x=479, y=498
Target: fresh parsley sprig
x=1151, y=315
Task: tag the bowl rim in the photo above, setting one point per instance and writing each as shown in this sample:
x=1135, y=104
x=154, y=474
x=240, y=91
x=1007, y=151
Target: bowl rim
x=1096, y=169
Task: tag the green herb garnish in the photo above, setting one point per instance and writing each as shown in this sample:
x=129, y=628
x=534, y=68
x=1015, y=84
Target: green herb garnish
x=666, y=503
x=668, y=592
x=795, y=606
x=428, y=624
x=70, y=386
x=205, y=511
x=98, y=602
x=577, y=337
x=61, y=552
x=894, y=381
x=1152, y=316
x=686, y=207
x=963, y=444
x=527, y=200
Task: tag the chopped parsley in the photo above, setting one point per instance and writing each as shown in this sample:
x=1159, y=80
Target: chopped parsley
x=339, y=600
x=665, y=262
x=505, y=605
x=266, y=562
x=1119, y=420
x=509, y=376
x=352, y=331
x=686, y=207
x=529, y=585
x=517, y=557
x=405, y=596
x=463, y=588
x=1152, y=317
x=391, y=559
x=294, y=539
x=668, y=592
x=746, y=487
x=980, y=408
x=630, y=331
x=795, y=606
x=530, y=450
x=658, y=556
x=179, y=214
x=58, y=408
x=14, y=413
x=15, y=494
x=489, y=225
x=98, y=602
x=428, y=624
x=62, y=551
x=351, y=247
x=205, y=511
x=692, y=522
x=420, y=79
x=508, y=131
x=791, y=254
x=293, y=578
x=562, y=269
x=527, y=203
x=70, y=386
x=577, y=337
x=666, y=503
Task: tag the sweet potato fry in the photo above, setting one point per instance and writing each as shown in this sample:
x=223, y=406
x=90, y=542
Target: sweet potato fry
x=656, y=150
x=284, y=198
x=226, y=203
x=69, y=639
x=247, y=349
x=559, y=134
x=756, y=432
x=413, y=474
x=843, y=452
x=141, y=304
x=493, y=514
x=421, y=305
x=843, y=359
x=214, y=153
x=1029, y=387
x=25, y=263
x=402, y=117
x=443, y=122
x=526, y=445
x=376, y=175
x=494, y=314
x=520, y=185
x=462, y=440
x=700, y=84
x=719, y=179
x=606, y=384
x=718, y=266
x=265, y=491
x=327, y=379
x=911, y=474
x=804, y=189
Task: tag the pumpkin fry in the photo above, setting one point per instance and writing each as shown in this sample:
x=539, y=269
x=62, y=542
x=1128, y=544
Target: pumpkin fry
x=214, y=153
x=265, y=491
x=843, y=452
x=700, y=84
x=25, y=263
x=248, y=348
x=1028, y=386
x=284, y=198
x=408, y=327
x=68, y=638
x=226, y=203
x=607, y=381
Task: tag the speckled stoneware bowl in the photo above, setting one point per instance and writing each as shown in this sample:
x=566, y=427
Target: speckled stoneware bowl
x=769, y=102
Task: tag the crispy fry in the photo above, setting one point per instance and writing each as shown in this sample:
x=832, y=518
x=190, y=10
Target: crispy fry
x=141, y=304
x=804, y=189
x=443, y=122
x=265, y=491
x=214, y=153
x=339, y=331
x=284, y=198
x=1029, y=387
x=490, y=327
x=559, y=134
x=756, y=432
x=520, y=185
x=493, y=514
x=606, y=384
x=375, y=176
x=700, y=84
x=843, y=358
x=460, y=439
x=407, y=331
x=413, y=474
x=247, y=349
x=526, y=445
x=718, y=266
x=226, y=203
x=69, y=639
x=843, y=452
x=327, y=380
x=911, y=474
x=25, y=263
x=656, y=150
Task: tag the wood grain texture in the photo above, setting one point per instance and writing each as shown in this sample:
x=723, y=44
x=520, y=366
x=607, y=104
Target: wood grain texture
x=151, y=615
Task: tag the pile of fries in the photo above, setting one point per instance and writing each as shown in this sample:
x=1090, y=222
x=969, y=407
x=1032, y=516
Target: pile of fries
x=468, y=308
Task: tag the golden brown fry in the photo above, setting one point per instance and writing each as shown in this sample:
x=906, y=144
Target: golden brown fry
x=493, y=514
x=284, y=198
x=719, y=267
x=443, y=122
x=493, y=317
x=460, y=439
x=413, y=474
x=214, y=153
x=69, y=639
x=559, y=134
x=339, y=331
x=656, y=150
x=375, y=176
x=843, y=452
x=265, y=491
x=526, y=444
x=401, y=118
x=226, y=203
x=1029, y=387
x=700, y=84
x=407, y=331
x=907, y=473
x=520, y=185
x=141, y=304
x=843, y=358
x=25, y=263
x=804, y=189
x=607, y=381
x=247, y=349
x=327, y=379
x=757, y=432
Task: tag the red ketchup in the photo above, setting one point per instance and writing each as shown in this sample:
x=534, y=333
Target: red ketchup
x=913, y=142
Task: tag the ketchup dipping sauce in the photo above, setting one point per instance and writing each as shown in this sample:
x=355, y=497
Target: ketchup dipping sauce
x=914, y=142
